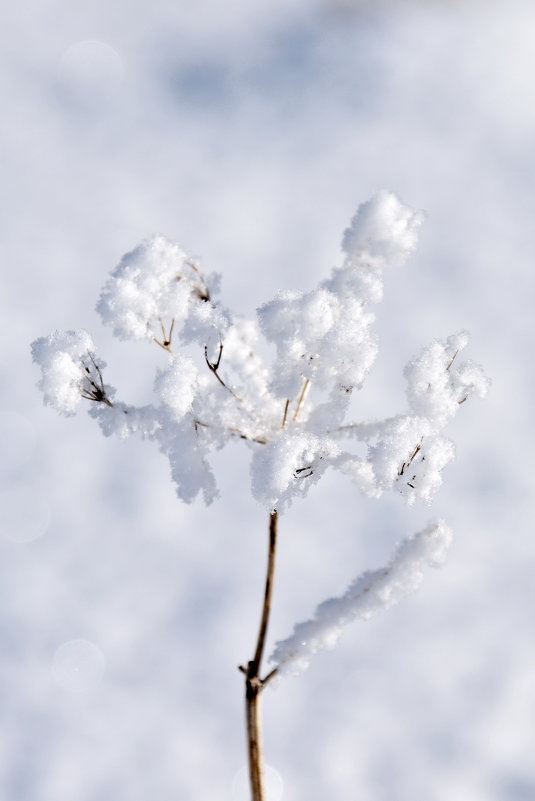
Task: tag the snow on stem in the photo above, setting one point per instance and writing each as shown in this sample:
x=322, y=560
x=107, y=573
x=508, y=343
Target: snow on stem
x=367, y=595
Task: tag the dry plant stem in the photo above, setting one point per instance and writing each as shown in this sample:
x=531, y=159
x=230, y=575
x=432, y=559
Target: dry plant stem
x=285, y=415
x=235, y=431
x=167, y=339
x=94, y=392
x=302, y=398
x=213, y=367
x=254, y=684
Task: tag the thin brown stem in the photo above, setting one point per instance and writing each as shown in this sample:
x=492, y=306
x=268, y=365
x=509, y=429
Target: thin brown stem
x=268, y=591
x=235, y=431
x=302, y=398
x=253, y=682
x=167, y=339
x=213, y=367
x=241, y=435
x=255, y=742
x=270, y=675
x=96, y=399
x=285, y=415
x=452, y=360
x=94, y=392
x=200, y=290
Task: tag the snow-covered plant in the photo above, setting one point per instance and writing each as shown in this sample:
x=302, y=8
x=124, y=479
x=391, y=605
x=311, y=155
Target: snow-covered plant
x=291, y=414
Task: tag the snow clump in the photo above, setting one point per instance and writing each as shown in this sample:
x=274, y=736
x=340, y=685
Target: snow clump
x=68, y=366
x=290, y=413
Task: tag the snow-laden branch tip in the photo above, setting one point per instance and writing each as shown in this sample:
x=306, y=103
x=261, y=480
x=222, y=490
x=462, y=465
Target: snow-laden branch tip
x=290, y=413
x=369, y=594
x=70, y=371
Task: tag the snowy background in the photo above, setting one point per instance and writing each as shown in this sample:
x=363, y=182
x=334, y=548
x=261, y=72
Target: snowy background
x=250, y=132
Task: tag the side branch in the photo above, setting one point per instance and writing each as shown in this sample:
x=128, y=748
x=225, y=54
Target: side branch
x=167, y=338
x=95, y=390
x=214, y=366
x=235, y=431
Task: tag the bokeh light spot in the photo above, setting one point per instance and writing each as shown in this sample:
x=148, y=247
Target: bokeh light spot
x=78, y=666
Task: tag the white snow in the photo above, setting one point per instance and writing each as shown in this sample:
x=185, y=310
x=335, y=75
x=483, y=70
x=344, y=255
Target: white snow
x=323, y=342
x=368, y=594
x=66, y=359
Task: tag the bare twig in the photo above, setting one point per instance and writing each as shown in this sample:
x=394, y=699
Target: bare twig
x=285, y=415
x=270, y=675
x=416, y=452
x=302, y=398
x=241, y=435
x=236, y=431
x=167, y=339
x=268, y=592
x=213, y=367
x=253, y=682
x=452, y=360
x=300, y=472
x=412, y=458
x=95, y=392
x=198, y=288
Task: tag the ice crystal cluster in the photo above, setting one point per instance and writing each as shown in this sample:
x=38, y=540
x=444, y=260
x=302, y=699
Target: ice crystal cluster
x=291, y=413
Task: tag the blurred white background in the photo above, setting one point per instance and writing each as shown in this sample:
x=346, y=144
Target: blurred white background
x=250, y=132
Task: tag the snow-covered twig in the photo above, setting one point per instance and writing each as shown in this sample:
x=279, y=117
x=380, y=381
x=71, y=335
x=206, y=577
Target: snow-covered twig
x=367, y=595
